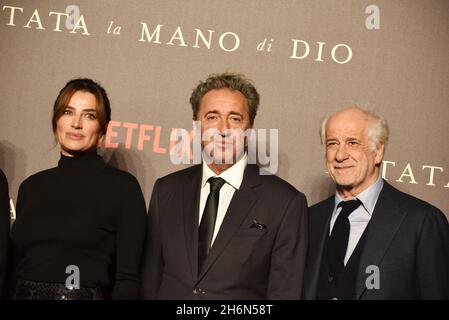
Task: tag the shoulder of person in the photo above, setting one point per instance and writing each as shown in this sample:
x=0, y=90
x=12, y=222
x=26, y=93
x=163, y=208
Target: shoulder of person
x=411, y=204
x=180, y=176
x=272, y=182
x=322, y=206
x=122, y=175
x=3, y=180
x=38, y=178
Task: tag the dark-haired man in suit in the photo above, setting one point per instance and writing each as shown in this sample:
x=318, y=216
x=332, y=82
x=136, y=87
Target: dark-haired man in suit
x=370, y=240
x=221, y=230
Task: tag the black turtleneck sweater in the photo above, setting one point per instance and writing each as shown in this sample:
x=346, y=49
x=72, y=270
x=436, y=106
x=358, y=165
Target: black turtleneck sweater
x=83, y=213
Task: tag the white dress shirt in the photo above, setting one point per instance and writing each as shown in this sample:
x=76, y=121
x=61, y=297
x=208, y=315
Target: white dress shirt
x=233, y=177
x=360, y=217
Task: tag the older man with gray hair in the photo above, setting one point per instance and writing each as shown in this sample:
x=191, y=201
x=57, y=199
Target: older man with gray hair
x=370, y=240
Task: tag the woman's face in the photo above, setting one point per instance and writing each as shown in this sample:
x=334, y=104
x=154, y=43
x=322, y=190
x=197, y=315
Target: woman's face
x=78, y=129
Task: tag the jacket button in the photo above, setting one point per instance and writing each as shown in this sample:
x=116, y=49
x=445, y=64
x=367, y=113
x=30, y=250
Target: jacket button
x=330, y=279
x=198, y=291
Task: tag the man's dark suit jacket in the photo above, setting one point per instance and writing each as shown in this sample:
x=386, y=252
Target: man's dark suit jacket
x=4, y=230
x=259, y=252
x=407, y=238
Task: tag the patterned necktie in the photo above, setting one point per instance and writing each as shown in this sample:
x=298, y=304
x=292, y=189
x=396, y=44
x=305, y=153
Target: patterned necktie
x=338, y=240
x=207, y=224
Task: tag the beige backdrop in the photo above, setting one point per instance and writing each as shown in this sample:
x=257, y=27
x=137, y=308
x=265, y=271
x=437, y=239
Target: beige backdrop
x=391, y=58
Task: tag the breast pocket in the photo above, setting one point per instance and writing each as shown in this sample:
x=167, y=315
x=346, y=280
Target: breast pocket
x=250, y=242
x=250, y=232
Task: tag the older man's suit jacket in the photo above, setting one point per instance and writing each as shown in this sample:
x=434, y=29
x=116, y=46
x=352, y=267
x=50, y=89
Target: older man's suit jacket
x=407, y=239
x=259, y=252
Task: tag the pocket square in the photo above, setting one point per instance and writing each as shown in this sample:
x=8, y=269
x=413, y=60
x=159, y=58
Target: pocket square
x=258, y=225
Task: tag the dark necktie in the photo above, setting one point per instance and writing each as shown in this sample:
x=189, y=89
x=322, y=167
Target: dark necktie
x=338, y=240
x=207, y=224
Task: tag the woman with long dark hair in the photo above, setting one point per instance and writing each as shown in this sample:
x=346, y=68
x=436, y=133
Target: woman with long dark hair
x=80, y=226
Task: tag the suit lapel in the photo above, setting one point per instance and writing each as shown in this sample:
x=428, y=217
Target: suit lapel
x=241, y=204
x=320, y=233
x=384, y=224
x=190, y=206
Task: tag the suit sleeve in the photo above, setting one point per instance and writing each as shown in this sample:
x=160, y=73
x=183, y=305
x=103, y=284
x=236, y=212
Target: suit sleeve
x=289, y=253
x=433, y=257
x=130, y=238
x=152, y=265
x=4, y=230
